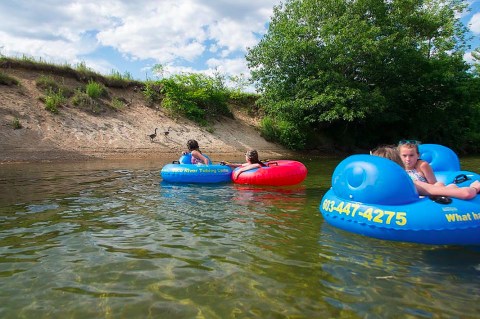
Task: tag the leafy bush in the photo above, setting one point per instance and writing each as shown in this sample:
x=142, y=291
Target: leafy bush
x=6, y=79
x=117, y=103
x=54, y=100
x=268, y=129
x=287, y=133
x=195, y=96
x=152, y=92
x=95, y=89
x=47, y=84
x=84, y=101
x=186, y=108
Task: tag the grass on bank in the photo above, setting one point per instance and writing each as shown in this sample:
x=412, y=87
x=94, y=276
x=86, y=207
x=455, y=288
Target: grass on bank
x=79, y=71
x=16, y=123
x=198, y=97
x=6, y=79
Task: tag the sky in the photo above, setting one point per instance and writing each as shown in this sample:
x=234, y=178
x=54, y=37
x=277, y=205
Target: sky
x=130, y=37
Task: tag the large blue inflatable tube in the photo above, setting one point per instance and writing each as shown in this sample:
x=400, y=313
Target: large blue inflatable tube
x=374, y=196
x=185, y=172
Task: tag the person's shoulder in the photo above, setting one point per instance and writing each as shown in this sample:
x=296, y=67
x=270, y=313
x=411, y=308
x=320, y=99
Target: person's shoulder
x=423, y=163
x=423, y=166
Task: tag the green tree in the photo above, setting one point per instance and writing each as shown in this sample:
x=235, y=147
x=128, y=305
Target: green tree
x=476, y=64
x=355, y=70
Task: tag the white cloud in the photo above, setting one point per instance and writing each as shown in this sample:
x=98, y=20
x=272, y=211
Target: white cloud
x=179, y=29
x=232, y=35
x=468, y=57
x=177, y=33
x=54, y=50
x=229, y=66
x=474, y=23
x=170, y=30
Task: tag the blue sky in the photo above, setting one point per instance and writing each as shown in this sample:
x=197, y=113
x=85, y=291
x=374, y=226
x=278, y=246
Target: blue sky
x=132, y=36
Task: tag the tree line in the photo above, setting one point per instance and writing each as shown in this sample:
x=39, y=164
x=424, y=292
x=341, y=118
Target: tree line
x=358, y=73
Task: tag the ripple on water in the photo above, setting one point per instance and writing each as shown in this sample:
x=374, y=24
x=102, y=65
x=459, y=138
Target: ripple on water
x=117, y=242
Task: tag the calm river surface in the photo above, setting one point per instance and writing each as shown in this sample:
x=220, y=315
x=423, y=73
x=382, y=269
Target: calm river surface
x=111, y=240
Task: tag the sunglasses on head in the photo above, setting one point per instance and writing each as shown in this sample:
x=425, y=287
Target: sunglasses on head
x=412, y=142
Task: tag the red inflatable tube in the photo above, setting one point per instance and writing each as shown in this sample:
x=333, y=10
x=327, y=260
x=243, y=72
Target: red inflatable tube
x=276, y=173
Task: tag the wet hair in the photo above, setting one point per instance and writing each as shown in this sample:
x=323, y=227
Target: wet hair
x=252, y=156
x=390, y=152
x=193, y=145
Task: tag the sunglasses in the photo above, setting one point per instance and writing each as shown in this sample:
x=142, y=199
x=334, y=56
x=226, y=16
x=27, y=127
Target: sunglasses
x=411, y=142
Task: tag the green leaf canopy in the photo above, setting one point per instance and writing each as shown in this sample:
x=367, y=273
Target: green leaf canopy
x=371, y=70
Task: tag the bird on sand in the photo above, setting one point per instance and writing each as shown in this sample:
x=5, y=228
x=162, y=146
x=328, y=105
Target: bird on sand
x=152, y=136
x=167, y=131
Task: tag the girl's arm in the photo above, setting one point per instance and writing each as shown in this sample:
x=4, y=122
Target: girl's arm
x=232, y=165
x=199, y=156
x=427, y=171
x=245, y=168
x=426, y=189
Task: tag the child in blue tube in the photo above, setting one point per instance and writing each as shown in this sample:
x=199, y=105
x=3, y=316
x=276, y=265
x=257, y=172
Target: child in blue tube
x=196, y=155
x=426, y=189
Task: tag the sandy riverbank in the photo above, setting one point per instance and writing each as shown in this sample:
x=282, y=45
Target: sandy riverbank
x=74, y=134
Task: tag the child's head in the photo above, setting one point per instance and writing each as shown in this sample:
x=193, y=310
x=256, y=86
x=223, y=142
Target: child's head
x=409, y=153
x=252, y=156
x=411, y=144
x=389, y=152
x=192, y=145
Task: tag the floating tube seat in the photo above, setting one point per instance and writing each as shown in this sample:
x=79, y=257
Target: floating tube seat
x=275, y=173
x=182, y=171
x=375, y=197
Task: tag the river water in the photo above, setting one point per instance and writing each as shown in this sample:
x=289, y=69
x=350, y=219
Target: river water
x=111, y=240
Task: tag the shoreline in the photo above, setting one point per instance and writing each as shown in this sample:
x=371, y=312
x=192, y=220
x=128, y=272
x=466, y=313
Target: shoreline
x=76, y=134
x=64, y=156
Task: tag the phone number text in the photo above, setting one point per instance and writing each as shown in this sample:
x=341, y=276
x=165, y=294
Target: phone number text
x=371, y=213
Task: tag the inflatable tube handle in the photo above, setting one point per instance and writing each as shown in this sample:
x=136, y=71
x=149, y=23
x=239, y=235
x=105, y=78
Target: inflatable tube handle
x=175, y=162
x=271, y=163
x=460, y=179
x=444, y=200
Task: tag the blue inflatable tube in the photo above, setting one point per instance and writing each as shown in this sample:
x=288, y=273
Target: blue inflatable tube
x=446, y=165
x=374, y=196
x=184, y=172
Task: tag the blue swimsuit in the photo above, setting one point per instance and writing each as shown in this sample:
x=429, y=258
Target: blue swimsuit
x=416, y=175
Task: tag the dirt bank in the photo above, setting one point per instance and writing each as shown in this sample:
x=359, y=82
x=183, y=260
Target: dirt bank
x=77, y=134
